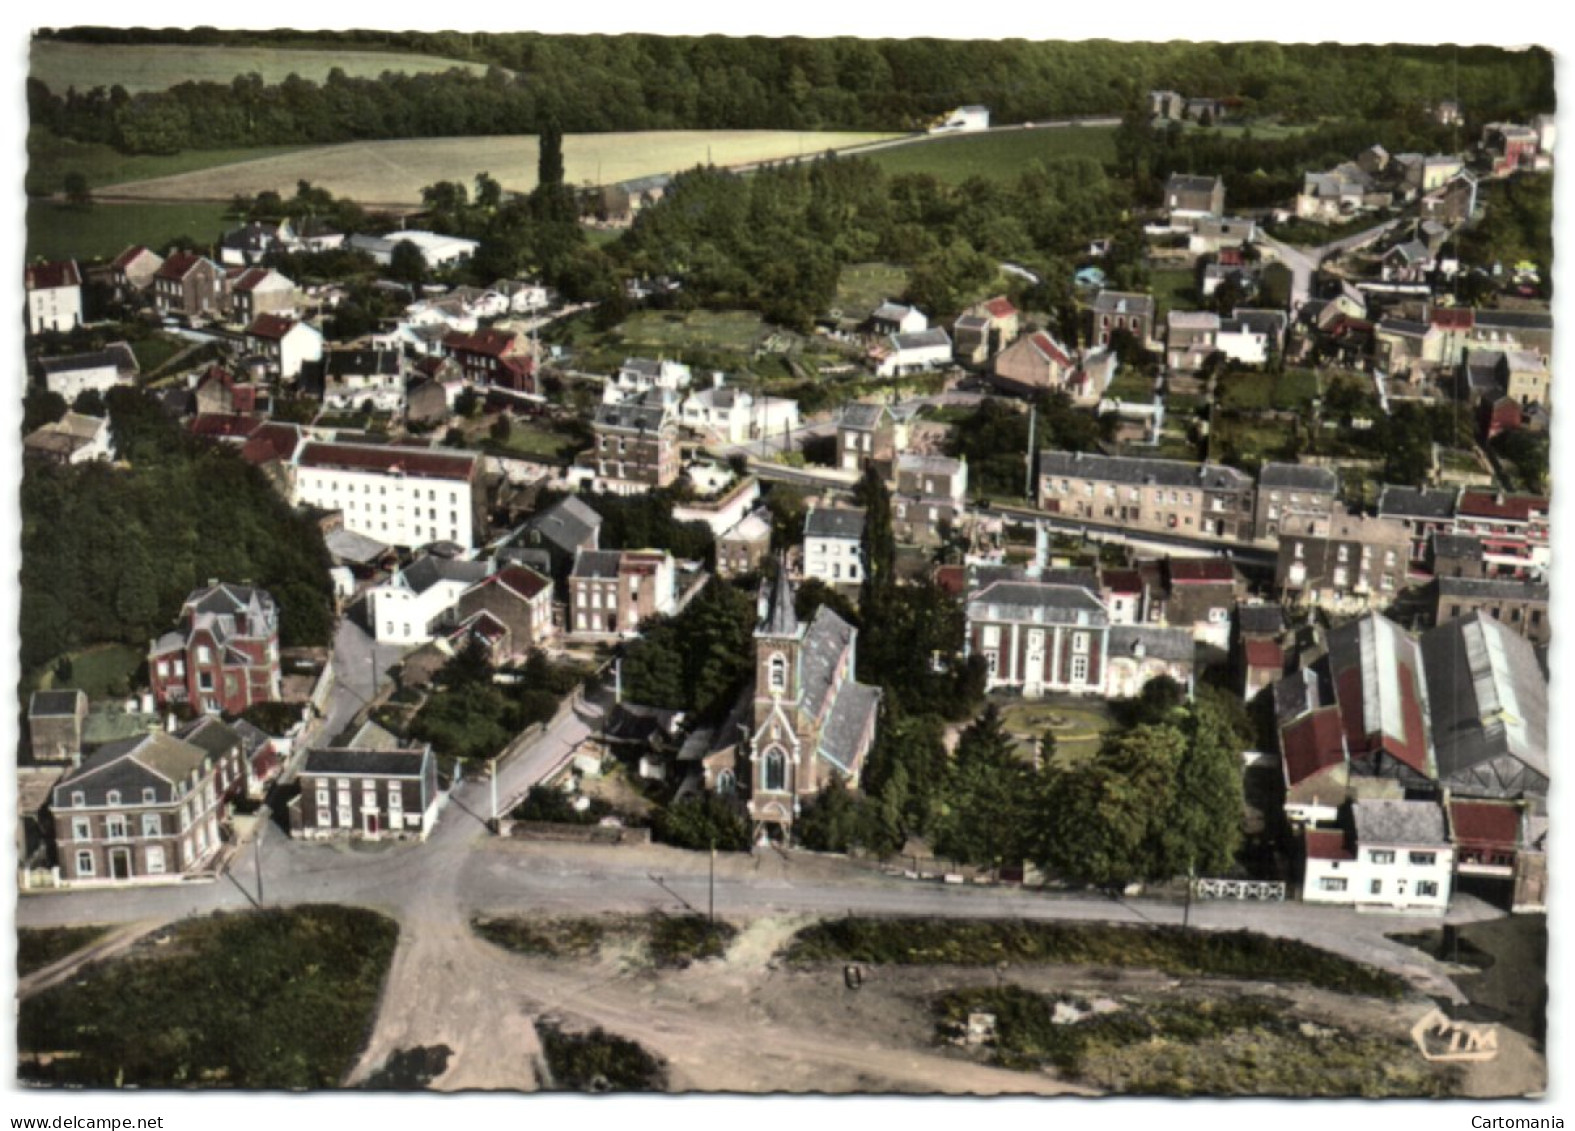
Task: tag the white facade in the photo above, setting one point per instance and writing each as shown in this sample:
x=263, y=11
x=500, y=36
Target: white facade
x=1240, y=342
x=300, y=344
x=638, y=376
x=401, y=509
x=909, y=358
x=402, y=615
x=350, y=392
x=54, y=308
x=734, y=416
x=72, y=383
x=833, y=559
x=1383, y=876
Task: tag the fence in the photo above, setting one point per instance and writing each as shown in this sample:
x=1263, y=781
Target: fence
x=577, y=834
x=1262, y=890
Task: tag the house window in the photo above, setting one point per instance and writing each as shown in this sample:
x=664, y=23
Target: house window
x=155, y=858
x=1343, y=554
x=992, y=662
x=725, y=783
x=1382, y=856
x=322, y=799
x=151, y=825
x=1427, y=888
x=78, y=799
x=149, y=795
x=1331, y=883
x=1424, y=859
x=203, y=654
x=1080, y=643
x=1376, y=887
x=325, y=818
x=84, y=863
x=1339, y=577
x=112, y=797
x=81, y=829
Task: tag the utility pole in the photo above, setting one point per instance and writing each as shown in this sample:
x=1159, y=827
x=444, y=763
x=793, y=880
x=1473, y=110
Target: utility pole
x=492, y=772
x=1028, y=458
x=1186, y=914
x=257, y=860
x=711, y=896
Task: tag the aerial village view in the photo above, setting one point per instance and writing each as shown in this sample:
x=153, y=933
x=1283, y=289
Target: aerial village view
x=638, y=563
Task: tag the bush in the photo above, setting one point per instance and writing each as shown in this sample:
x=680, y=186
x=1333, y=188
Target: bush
x=703, y=823
x=678, y=940
x=598, y=1061
x=547, y=803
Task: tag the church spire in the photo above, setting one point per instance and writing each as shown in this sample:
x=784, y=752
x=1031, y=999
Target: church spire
x=777, y=617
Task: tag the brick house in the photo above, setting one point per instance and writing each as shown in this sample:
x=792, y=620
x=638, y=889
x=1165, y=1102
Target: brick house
x=224, y=656
x=54, y=725
x=259, y=290
x=743, y=549
x=284, y=343
x=1148, y=494
x=1425, y=512
x=189, y=284
x=54, y=296
x=1294, y=498
x=1361, y=562
x=1200, y=594
x=497, y=358
x=930, y=497
x=1032, y=364
x=371, y=794
x=1521, y=605
x=520, y=599
x=133, y=270
x=1039, y=637
x=636, y=442
x=612, y=592
x=558, y=533
x=141, y=809
x=1187, y=196
x=218, y=391
x=1120, y=310
x=868, y=433
x=1513, y=529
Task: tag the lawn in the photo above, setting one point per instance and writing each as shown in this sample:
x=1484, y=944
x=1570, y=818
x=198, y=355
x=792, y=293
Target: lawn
x=56, y=231
x=1078, y=727
x=36, y=949
x=104, y=671
x=262, y=999
x=1251, y=438
x=538, y=442
x=1131, y=385
x=861, y=287
x=1174, y=288
x=50, y=158
x=143, y=67
x=1248, y=391
x=393, y=173
x=998, y=156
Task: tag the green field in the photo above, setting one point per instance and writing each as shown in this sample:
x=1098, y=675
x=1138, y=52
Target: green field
x=1000, y=156
x=56, y=231
x=142, y=67
x=1175, y=288
x=50, y=158
x=1291, y=391
x=861, y=287
x=36, y=949
x=104, y=671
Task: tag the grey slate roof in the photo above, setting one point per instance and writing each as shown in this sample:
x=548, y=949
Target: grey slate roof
x=1186, y=182
x=366, y=763
x=1417, y=502
x=850, y=717
x=864, y=417
x=834, y=522
x=349, y=546
x=159, y=760
x=1457, y=546
x=828, y=637
x=118, y=355
x=922, y=339
x=53, y=704
x=1260, y=620
x=1042, y=603
x=1403, y=823
x=212, y=735
x=1515, y=319
x=1138, y=471
x=1123, y=302
x=1173, y=644
x=1271, y=322
x=780, y=618
x=1298, y=477
x=596, y=563
x=566, y=524
x=890, y=312
x=1488, y=700
x=1473, y=588
x=426, y=571
x=637, y=414
x=361, y=363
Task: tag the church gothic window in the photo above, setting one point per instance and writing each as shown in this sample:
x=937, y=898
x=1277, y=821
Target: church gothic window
x=775, y=771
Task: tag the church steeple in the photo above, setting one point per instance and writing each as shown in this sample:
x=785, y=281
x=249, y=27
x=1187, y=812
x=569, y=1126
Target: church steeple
x=777, y=617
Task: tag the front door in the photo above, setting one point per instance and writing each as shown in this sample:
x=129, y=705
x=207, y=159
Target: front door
x=120, y=864
x=369, y=823
x=1034, y=664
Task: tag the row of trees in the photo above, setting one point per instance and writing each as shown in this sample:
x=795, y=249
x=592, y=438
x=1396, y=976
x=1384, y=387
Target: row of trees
x=109, y=553
x=643, y=82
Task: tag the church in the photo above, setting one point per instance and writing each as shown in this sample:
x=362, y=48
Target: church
x=803, y=722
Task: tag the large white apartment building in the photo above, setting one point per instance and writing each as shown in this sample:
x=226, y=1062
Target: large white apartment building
x=401, y=496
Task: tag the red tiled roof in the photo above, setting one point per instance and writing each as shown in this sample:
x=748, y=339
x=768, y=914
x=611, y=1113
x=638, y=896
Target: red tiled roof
x=46, y=276
x=1046, y=345
x=272, y=326
x=1000, y=307
x=1311, y=745
x=1327, y=844
x=270, y=442
x=953, y=579
x=389, y=460
x=1265, y=654
x=1454, y=318
x=1189, y=571
x=1485, y=504
x=1484, y=824
x=178, y=265
x=249, y=279
x=224, y=425
x=526, y=582
x=1122, y=580
x=492, y=343
x=129, y=256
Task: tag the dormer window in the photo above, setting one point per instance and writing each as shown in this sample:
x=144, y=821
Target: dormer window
x=112, y=797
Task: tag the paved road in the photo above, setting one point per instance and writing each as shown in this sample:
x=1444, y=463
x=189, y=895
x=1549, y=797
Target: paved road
x=360, y=668
x=1304, y=261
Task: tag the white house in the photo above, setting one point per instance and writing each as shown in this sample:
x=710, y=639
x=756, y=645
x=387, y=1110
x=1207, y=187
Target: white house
x=524, y=297
x=734, y=416
x=641, y=374
x=895, y=318
x=54, y=296
x=1242, y=341
x=911, y=353
x=964, y=119
x=1399, y=857
x=402, y=496
x=438, y=250
x=832, y=550
x=448, y=312
x=100, y=371
x=286, y=343
x=74, y=438
x=354, y=378
x=416, y=600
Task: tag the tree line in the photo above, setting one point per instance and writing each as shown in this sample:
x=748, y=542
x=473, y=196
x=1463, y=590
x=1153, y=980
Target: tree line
x=601, y=83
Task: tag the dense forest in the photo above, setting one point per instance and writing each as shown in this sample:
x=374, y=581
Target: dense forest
x=645, y=82
x=110, y=552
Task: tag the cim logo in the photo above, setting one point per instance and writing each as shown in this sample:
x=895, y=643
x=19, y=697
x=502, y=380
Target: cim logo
x=1440, y=1038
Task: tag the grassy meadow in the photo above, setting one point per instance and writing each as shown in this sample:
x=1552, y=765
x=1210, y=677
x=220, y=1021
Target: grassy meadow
x=998, y=156
x=58, y=231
